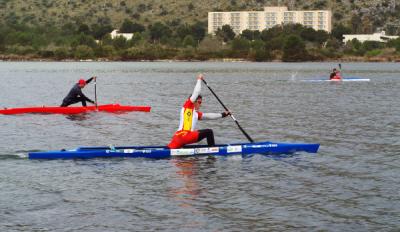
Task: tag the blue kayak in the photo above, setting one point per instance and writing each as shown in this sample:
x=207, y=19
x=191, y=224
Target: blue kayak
x=160, y=152
x=353, y=79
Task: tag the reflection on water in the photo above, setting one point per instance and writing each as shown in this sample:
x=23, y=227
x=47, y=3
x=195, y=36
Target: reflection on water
x=189, y=188
x=78, y=117
x=188, y=171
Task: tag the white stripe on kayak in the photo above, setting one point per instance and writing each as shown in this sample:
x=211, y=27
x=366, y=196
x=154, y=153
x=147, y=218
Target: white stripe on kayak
x=194, y=151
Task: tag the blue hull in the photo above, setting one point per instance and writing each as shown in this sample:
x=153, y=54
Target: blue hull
x=354, y=79
x=161, y=152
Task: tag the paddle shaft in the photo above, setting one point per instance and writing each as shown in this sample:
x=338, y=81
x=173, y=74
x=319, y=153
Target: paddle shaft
x=95, y=92
x=234, y=119
x=340, y=68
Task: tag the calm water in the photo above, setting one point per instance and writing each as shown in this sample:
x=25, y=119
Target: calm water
x=352, y=184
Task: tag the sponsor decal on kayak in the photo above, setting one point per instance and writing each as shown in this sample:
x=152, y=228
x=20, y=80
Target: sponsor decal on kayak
x=182, y=151
x=206, y=150
x=194, y=151
x=130, y=151
x=261, y=145
x=234, y=149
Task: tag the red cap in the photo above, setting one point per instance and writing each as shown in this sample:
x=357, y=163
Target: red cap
x=82, y=82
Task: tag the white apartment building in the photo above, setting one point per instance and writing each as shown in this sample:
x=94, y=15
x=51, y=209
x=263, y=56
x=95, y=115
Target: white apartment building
x=379, y=37
x=271, y=16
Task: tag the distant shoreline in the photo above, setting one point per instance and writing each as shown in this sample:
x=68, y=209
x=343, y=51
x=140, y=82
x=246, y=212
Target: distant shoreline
x=5, y=58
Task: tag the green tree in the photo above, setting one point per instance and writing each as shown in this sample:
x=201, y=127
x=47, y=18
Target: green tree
x=182, y=31
x=136, y=39
x=339, y=30
x=141, y=8
x=99, y=30
x=61, y=53
x=320, y=4
x=240, y=46
x=394, y=43
x=225, y=33
x=367, y=25
x=337, y=16
x=83, y=39
x=106, y=51
x=83, y=28
x=158, y=31
x=356, y=24
x=260, y=55
x=294, y=49
x=190, y=7
x=250, y=35
x=83, y=52
x=321, y=36
x=272, y=33
x=188, y=41
x=354, y=47
x=2, y=40
x=129, y=27
x=333, y=44
x=198, y=30
x=210, y=44
x=372, y=45
x=260, y=51
x=107, y=40
x=68, y=29
x=120, y=42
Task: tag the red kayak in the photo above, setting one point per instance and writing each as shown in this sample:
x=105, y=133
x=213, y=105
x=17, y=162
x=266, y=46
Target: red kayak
x=112, y=108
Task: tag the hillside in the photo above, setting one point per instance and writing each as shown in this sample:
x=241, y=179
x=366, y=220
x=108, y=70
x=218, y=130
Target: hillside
x=369, y=15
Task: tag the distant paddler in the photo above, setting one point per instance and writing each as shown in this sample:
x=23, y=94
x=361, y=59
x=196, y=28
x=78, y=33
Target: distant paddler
x=335, y=75
x=189, y=115
x=76, y=95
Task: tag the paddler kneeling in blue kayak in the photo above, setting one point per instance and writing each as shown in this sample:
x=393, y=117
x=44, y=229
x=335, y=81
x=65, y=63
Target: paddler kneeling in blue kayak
x=75, y=95
x=335, y=75
x=189, y=116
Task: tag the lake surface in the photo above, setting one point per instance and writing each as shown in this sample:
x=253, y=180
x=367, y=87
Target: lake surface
x=351, y=184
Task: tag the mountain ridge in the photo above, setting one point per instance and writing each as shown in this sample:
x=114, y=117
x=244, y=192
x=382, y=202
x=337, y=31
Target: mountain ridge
x=380, y=15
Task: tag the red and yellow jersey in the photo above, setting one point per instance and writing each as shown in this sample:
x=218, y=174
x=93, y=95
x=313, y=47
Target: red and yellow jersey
x=189, y=117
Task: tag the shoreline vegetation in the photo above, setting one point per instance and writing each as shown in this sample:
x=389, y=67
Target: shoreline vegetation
x=18, y=58
x=38, y=59
x=188, y=42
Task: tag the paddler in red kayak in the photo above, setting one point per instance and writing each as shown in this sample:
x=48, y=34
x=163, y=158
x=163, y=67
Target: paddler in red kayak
x=189, y=116
x=75, y=95
x=335, y=75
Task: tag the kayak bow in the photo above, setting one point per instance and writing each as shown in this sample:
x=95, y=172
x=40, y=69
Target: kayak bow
x=112, y=108
x=159, y=152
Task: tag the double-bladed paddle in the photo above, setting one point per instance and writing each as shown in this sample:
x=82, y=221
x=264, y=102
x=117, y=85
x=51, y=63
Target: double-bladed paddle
x=234, y=119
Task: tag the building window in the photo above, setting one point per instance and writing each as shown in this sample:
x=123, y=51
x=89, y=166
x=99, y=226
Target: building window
x=253, y=21
x=235, y=22
x=308, y=16
x=308, y=19
x=288, y=17
x=321, y=21
x=270, y=19
x=217, y=21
